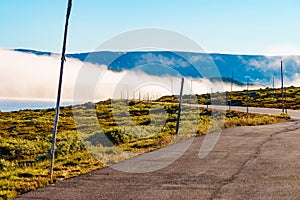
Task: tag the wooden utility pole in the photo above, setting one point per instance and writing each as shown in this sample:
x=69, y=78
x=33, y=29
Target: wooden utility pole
x=208, y=99
x=273, y=98
x=52, y=155
x=210, y=96
x=230, y=99
x=179, y=108
x=247, y=94
x=282, y=88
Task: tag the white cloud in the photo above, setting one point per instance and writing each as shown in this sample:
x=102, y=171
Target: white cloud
x=265, y=64
x=25, y=75
x=272, y=62
x=219, y=58
x=282, y=50
x=152, y=58
x=28, y=76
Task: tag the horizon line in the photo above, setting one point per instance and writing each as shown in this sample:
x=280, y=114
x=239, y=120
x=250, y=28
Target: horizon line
x=156, y=50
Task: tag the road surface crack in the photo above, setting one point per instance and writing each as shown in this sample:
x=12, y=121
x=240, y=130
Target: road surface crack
x=293, y=127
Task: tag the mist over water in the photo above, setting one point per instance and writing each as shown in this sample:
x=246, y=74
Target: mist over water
x=29, y=77
x=15, y=105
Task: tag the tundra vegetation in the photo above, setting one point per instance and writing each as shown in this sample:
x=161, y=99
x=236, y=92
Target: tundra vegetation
x=264, y=98
x=92, y=136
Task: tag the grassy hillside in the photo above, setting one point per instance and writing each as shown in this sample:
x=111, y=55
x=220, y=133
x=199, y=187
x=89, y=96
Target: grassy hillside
x=133, y=127
x=267, y=98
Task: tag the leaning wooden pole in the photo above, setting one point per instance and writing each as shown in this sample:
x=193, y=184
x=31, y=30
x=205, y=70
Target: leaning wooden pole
x=273, y=96
x=230, y=100
x=247, y=99
x=282, y=87
x=180, y=105
x=52, y=154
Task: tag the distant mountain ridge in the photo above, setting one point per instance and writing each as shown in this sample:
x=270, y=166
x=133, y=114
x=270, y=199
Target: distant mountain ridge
x=253, y=68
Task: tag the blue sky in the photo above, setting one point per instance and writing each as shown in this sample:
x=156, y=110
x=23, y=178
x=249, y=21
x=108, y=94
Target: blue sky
x=270, y=27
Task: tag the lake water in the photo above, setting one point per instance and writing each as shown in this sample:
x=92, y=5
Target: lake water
x=15, y=105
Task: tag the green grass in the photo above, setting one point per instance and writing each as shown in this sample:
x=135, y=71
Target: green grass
x=132, y=128
x=235, y=118
x=257, y=98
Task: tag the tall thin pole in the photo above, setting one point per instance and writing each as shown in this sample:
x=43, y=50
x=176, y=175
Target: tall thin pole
x=210, y=96
x=127, y=93
x=273, y=98
x=52, y=155
x=208, y=99
x=247, y=94
x=179, y=108
x=282, y=89
x=231, y=91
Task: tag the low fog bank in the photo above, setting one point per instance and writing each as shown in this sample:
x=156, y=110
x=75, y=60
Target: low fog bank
x=31, y=77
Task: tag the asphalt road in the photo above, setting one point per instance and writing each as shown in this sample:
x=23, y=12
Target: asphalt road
x=295, y=114
x=246, y=163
